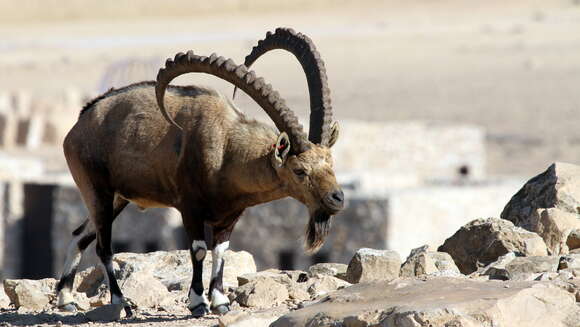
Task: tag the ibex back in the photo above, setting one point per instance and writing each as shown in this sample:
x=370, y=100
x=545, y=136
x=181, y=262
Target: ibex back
x=189, y=148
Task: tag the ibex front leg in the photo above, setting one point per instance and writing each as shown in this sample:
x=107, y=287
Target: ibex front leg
x=221, y=236
x=195, y=228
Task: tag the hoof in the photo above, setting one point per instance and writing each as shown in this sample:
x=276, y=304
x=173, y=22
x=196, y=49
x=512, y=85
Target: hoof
x=199, y=310
x=69, y=307
x=128, y=311
x=221, y=309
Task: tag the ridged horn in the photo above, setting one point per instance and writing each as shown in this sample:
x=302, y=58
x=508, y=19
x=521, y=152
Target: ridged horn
x=302, y=47
x=255, y=87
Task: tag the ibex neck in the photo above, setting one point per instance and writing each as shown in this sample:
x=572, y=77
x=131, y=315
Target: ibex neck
x=251, y=177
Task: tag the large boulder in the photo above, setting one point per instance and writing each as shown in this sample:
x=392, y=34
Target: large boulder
x=440, y=302
x=548, y=205
x=373, y=265
x=482, y=241
x=423, y=261
x=30, y=294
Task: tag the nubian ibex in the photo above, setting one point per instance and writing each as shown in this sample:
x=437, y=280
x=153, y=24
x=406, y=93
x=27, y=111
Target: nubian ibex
x=189, y=148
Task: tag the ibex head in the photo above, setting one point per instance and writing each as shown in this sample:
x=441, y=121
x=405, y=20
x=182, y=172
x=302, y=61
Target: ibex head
x=303, y=163
x=309, y=178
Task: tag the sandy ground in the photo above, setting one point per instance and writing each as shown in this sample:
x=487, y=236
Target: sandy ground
x=512, y=68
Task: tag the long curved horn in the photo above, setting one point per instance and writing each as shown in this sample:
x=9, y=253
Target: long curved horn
x=302, y=47
x=254, y=86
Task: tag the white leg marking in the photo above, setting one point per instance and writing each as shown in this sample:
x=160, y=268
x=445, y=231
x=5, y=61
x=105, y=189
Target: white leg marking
x=65, y=297
x=217, y=298
x=195, y=300
x=199, y=249
x=218, y=257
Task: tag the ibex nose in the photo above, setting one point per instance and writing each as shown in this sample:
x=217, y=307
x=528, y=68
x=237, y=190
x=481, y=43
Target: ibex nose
x=335, y=200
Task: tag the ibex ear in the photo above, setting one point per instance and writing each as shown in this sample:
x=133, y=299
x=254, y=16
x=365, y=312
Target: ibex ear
x=281, y=149
x=334, y=129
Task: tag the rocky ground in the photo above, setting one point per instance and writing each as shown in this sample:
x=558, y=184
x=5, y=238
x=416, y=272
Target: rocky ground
x=522, y=269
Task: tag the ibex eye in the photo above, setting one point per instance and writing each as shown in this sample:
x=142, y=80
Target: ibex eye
x=300, y=172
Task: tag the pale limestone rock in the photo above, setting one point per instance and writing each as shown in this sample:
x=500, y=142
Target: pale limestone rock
x=274, y=274
x=530, y=268
x=171, y=268
x=144, y=290
x=496, y=269
x=337, y=270
x=4, y=299
x=482, y=241
x=231, y=318
x=30, y=294
x=547, y=204
x=373, y=265
x=243, y=319
x=105, y=313
x=440, y=302
x=261, y=293
x=422, y=261
x=321, y=285
x=298, y=293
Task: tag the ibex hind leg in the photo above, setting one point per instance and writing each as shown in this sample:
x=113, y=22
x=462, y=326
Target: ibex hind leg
x=104, y=213
x=83, y=236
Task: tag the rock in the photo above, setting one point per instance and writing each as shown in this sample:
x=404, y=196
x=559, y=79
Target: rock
x=105, y=313
x=261, y=293
x=482, y=241
x=570, y=261
x=496, y=269
x=231, y=318
x=243, y=319
x=573, y=241
x=547, y=204
x=440, y=302
x=30, y=294
x=297, y=293
x=90, y=279
x=174, y=269
x=421, y=261
x=274, y=274
x=337, y=270
x=147, y=278
x=143, y=289
x=528, y=268
x=4, y=299
x=554, y=226
x=372, y=265
x=322, y=285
